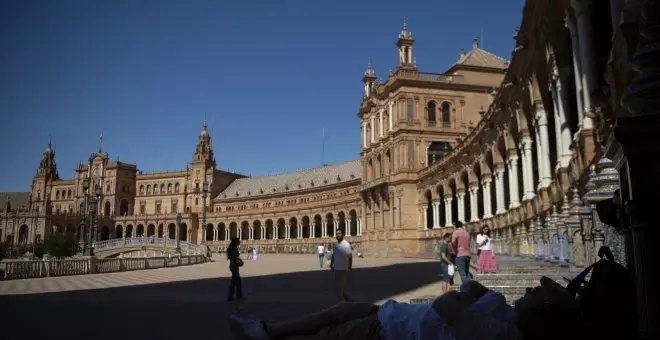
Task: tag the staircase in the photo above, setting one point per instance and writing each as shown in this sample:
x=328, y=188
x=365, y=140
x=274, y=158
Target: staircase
x=516, y=274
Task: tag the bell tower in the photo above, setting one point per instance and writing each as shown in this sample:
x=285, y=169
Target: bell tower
x=369, y=80
x=42, y=181
x=405, y=45
x=202, y=168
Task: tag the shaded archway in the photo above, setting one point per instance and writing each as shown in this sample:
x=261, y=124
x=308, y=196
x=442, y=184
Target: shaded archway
x=269, y=229
x=151, y=230
x=23, y=234
x=161, y=230
x=119, y=231
x=233, y=230
x=105, y=233
x=318, y=226
x=129, y=230
x=106, y=209
x=70, y=229
x=140, y=230
x=293, y=227
x=305, y=227
x=183, y=232
x=245, y=230
x=171, y=231
x=353, y=230
x=222, y=232
x=330, y=224
x=123, y=207
x=58, y=229
x=256, y=226
x=281, y=231
x=209, y=234
x=341, y=224
x=428, y=209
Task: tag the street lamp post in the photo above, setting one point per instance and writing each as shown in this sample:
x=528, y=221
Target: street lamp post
x=92, y=212
x=13, y=232
x=178, y=233
x=83, y=212
x=205, y=190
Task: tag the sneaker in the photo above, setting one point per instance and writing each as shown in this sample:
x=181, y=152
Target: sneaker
x=247, y=329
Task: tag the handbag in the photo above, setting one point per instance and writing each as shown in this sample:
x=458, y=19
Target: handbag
x=450, y=270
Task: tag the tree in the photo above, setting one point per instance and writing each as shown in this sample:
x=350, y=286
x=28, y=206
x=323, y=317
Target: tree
x=3, y=250
x=61, y=245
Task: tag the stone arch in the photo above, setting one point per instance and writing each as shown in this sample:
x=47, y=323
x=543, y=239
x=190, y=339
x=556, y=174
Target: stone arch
x=270, y=229
x=105, y=233
x=119, y=231
x=129, y=231
x=318, y=225
x=353, y=226
x=245, y=230
x=341, y=223
x=446, y=113
x=139, y=231
x=57, y=229
x=183, y=231
x=453, y=186
x=151, y=230
x=160, y=232
x=330, y=224
x=233, y=230
x=171, y=231
x=257, y=230
x=209, y=234
x=305, y=225
x=23, y=234
x=281, y=224
x=106, y=208
x=222, y=231
x=428, y=209
x=431, y=111
x=293, y=227
x=70, y=229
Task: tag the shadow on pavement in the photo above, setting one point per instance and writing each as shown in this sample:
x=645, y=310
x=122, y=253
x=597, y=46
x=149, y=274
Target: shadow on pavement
x=186, y=309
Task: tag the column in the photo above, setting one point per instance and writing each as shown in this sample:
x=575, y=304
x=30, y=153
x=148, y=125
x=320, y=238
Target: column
x=528, y=171
x=474, y=209
x=577, y=68
x=425, y=215
x=373, y=131
x=310, y=227
x=499, y=190
x=485, y=188
x=359, y=227
x=364, y=135
x=460, y=199
x=448, y=217
x=324, y=229
x=544, y=154
x=587, y=57
x=561, y=123
x=227, y=234
x=555, y=106
x=513, y=181
x=390, y=116
x=380, y=123
x=299, y=230
x=436, y=214
x=251, y=233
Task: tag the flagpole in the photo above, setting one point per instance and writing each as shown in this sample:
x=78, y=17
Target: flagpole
x=322, y=146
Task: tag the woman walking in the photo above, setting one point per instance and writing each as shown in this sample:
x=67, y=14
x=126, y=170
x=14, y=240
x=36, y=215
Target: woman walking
x=445, y=262
x=235, y=285
x=486, y=262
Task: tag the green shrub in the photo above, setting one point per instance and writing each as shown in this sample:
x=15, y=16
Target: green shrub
x=61, y=245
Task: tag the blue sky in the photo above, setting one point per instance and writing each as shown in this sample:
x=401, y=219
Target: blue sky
x=268, y=74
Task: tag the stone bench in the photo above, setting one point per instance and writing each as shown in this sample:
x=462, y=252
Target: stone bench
x=422, y=299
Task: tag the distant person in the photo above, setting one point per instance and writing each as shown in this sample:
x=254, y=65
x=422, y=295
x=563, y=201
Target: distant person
x=461, y=241
x=486, y=261
x=320, y=251
x=235, y=262
x=254, y=253
x=480, y=236
x=341, y=264
x=445, y=262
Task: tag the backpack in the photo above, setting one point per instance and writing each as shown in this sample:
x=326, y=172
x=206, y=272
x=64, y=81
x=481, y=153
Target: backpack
x=608, y=300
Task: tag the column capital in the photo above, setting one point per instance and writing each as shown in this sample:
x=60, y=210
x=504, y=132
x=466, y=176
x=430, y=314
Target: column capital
x=486, y=179
x=541, y=117
x=448, y=198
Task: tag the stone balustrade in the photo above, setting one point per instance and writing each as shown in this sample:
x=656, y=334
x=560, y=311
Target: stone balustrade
x=163, y=242
x=91, y=265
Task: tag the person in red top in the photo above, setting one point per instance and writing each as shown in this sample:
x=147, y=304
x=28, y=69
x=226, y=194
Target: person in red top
x=461, y=240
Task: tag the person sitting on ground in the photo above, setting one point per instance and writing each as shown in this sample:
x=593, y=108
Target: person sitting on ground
x=544, y=313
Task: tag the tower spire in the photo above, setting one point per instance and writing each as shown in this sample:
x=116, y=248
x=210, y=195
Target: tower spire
x=101, y=141
x=369, y=79
x=405, y=44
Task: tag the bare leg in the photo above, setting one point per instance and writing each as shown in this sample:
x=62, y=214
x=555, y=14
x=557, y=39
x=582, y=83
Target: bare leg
x=312, y=323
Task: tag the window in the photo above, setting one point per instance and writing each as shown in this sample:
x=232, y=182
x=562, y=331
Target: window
x=410, y=106
x=155, y=188
x=69, y=194
x=148, y=189
x=143, y=207
x=430, y=112
x=107, y=188
x=158, y=205
x=196, y=201
x=162, y=188
x=411, y=155
x=141, y=189
x=446, y=114
x=57, y=195
x=176, y=187
x=174, y=207
x=169, y=188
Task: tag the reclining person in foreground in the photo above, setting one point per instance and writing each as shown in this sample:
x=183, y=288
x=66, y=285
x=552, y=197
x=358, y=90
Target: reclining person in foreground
x=475, y=313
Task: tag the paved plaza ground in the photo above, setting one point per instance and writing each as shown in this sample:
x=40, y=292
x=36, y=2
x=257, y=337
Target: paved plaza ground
x=189, y=302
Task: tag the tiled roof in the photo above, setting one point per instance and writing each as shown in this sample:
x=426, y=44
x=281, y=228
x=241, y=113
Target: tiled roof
x=292, y=181
x=482, y=58
x=16, y=200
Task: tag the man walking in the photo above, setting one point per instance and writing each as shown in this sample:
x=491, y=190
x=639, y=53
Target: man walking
x=461, y=241
x=321, y=254
x=341, y=264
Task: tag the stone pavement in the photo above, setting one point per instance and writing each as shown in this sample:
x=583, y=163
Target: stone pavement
x=189, y=302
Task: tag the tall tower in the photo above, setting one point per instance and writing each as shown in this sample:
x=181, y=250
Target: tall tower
x=369, y=79
x=405, y=45
x=202, y=168
x=42, y=181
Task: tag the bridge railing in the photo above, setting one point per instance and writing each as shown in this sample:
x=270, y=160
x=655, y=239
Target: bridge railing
x=164, y=242
x=50, y=268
